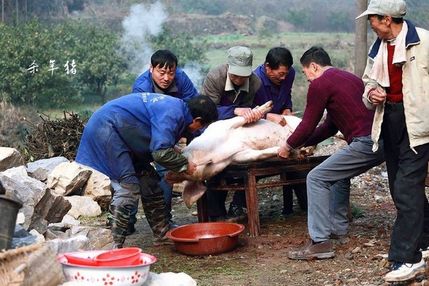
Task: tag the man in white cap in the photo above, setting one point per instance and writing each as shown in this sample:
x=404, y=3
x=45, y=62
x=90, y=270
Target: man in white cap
x=232, y=86
x=397, y=86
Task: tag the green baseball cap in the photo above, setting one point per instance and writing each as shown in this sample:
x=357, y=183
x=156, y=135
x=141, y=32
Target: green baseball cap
x=240, y=61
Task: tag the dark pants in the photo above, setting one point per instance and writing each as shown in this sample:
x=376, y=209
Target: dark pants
x=407, y=170
x=216, y=201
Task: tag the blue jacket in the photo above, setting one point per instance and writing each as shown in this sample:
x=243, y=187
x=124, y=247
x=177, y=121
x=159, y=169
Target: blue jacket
x=182, y=87
x=281, y=96
x=119, y=138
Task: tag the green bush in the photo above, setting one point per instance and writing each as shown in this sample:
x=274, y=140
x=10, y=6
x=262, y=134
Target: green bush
x=55, y=49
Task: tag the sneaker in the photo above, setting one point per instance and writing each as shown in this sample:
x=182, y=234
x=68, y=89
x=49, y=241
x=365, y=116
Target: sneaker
x=311, y=250
x=405, y=271
x=425, y=253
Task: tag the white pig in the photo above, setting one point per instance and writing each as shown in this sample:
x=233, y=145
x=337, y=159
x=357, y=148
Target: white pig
x=229, y=141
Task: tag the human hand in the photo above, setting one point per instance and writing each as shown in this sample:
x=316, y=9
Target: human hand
x=284, y=151
x=250, y=115
x=276, y=118
x=172, y=177
x=377, y=95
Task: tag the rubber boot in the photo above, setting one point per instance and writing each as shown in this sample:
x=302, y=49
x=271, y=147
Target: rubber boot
x=120, y=218
x=154, y=209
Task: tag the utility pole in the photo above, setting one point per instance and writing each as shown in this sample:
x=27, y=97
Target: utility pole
x=361, y=39
x=17, y=11
x=2, y=11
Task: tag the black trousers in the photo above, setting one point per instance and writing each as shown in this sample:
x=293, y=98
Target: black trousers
x=407, y=170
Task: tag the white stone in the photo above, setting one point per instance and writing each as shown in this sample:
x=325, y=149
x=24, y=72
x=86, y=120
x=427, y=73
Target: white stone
x=40, y=169
x=68, y=179
x=83, y=206
x=98, y=187
x=170, y=279
x=26, y=189
x=20, y=218
x=40, y=238
x=10, y=157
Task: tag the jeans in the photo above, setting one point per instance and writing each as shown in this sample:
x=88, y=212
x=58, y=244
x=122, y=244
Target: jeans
x=324, y=216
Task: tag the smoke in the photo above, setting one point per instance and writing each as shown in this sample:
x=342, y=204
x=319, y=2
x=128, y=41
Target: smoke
x=194, y=72
x=142, y=22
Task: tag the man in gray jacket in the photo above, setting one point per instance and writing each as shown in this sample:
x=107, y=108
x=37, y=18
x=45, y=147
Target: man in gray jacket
x=397, y=86
x=232, y=86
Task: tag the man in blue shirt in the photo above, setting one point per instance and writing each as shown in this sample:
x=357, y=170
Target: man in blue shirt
x=164, y=77
x=125, y=135
x=277, y=76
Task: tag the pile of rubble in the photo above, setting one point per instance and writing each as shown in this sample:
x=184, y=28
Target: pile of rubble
x=55, y=193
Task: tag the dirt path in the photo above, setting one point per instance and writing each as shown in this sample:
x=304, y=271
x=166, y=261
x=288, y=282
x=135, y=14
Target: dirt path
x=263, y=260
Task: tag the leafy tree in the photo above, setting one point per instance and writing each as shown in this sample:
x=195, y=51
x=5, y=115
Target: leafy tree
x=92, y=50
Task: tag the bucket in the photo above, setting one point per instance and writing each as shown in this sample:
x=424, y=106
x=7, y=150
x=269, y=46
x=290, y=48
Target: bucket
x=8, y=211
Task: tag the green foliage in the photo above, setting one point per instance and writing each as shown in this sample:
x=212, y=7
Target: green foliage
x=53, y=49
x=203, y=6
x=183, y=46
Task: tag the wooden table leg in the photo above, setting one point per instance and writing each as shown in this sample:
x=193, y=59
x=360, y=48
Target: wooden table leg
x=252, y=204
x=202, y=208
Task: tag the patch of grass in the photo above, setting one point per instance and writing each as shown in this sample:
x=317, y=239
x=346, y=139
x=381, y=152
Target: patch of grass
x=357, y=212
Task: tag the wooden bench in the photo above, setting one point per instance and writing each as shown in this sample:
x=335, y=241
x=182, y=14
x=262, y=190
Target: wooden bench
x=245, y=177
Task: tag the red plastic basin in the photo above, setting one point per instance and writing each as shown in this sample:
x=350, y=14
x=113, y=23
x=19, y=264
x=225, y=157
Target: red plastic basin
x=119, y=257
x=206, y=238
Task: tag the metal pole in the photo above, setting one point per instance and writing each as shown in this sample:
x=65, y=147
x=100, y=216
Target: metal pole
x=361, y=40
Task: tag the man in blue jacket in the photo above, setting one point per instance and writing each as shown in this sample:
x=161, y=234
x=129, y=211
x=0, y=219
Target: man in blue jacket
x=164, y=77
x=125, y=135
x=277, y=76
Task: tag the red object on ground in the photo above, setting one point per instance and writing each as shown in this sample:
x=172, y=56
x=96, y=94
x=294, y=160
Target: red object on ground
x=119, y=257
x=206, y=238
x=78, y=260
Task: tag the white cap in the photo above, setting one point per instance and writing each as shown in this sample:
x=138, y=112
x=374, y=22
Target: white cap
x=393, y=8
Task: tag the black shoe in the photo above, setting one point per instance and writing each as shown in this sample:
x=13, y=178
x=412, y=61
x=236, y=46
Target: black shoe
x=287, y=212
x=236, y=211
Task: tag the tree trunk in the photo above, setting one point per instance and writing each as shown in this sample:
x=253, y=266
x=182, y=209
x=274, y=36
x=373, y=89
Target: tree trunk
x=361, y=41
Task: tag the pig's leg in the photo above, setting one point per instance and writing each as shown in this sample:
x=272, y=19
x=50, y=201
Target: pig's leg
x=254, y=155
x=239, y=121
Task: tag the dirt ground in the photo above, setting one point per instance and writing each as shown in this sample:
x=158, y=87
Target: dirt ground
x=263, y=260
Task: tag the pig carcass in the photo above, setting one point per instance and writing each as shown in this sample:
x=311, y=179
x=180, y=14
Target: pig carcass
x=229, y=141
